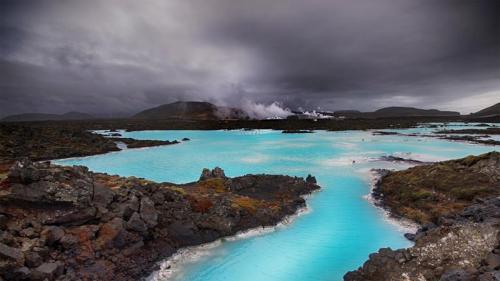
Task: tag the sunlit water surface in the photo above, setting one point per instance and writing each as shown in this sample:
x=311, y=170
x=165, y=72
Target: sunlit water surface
x=340, y=230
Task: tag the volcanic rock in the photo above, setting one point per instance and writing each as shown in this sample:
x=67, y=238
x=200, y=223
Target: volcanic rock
x=10, y=252
x=52, y=234
x=135, y=223
x=95, y=226
x=216, y=173
x=453, y=243
x=49, y=270
x=148, y=212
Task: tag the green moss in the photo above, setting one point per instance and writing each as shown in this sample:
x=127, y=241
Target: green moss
x=424, y=193
x=421, y=195
x=468, y=193
x=416, y=215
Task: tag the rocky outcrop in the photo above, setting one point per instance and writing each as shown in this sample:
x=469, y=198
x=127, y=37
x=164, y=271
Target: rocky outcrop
x=45, y=184
x=41, y=141
x=133, y=143
x=297, y=132
x=216, y=173
x=484, y=131
x=462, y=247
x=397, y=159
x=311, y=179
x=480, y=136
x=66, y=223
x=459, y=238
x=427, y=192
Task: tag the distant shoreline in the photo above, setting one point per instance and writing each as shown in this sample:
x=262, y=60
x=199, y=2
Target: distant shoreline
x=47, y=140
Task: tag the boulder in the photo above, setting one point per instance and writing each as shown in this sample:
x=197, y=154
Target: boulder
x=103, y=196
x=410, y=236
x=311, y=179
x=493, y=261
x=52, y=234
x=10, y=253
x=22, y=273
x=216, y=173
x=48, y=270
x=148, y=212
x=135, y=223
x=126, y=209
x=32, y=259
x=110, y=233
x=68, y=241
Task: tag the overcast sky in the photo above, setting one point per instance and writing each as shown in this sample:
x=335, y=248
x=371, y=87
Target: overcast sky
x=122, y=56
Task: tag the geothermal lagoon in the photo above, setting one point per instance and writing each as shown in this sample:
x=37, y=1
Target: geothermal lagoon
x=340, y=227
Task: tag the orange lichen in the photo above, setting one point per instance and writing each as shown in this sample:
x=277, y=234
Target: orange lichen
x=177, y=189
x=216, y=185
x=200, y=204
x=247, y=203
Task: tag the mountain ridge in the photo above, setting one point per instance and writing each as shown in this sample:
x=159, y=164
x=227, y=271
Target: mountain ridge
x=488, y=111
x=396, y=111
x=194, y=110
x=71, y=115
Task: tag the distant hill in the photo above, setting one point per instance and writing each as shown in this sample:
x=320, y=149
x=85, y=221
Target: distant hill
x=191, y=110
x=489, y=111
x=396, y=111
x=348, y=113
x=73, y=115
x=411, y=111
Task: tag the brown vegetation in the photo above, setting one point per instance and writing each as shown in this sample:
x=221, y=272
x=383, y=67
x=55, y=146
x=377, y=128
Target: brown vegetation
x=425, y=193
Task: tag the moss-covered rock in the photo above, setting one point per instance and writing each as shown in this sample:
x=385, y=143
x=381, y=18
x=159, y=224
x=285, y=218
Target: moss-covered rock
x=424, y=193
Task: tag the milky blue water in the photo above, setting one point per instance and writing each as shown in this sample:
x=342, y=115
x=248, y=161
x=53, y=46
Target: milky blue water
x=339, y=232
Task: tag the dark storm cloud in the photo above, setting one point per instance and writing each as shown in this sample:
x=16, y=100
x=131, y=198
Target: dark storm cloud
x=372, y=47
x=123, y=56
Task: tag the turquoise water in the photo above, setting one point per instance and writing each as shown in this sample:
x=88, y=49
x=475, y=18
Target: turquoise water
x=335, y=236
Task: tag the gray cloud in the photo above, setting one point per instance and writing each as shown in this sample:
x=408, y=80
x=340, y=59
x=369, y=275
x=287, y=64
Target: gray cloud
x=123, y=56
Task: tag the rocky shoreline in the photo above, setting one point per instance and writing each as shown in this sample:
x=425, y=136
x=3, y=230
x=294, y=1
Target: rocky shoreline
x=477, y=136
x=173, y=265
x=275, y=124
x=459, y=237
x=297, y=132
x=45, y=142
x=66, y=223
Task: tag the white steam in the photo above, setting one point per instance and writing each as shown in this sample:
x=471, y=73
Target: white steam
x=274, y=110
